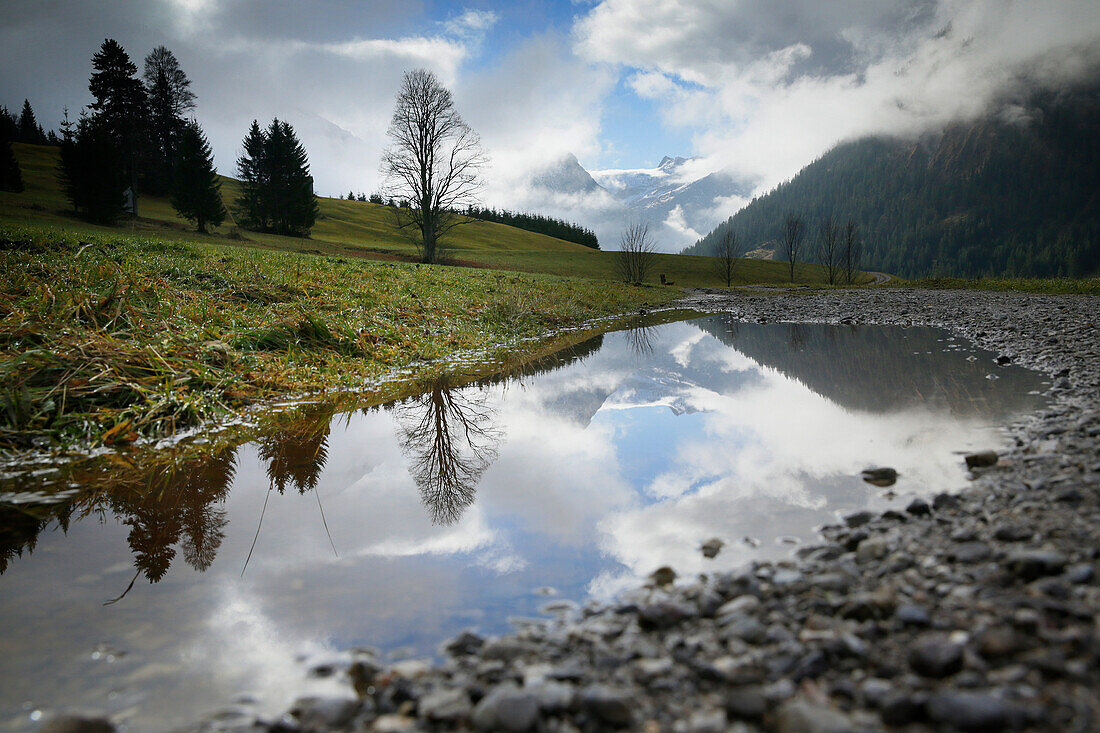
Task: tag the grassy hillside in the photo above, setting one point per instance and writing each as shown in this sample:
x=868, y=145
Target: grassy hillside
x=360, y=229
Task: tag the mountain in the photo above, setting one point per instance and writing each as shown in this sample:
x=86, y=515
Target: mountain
x=1015, y=192
x=566, y=176
x=655, y=194
x=677, y=199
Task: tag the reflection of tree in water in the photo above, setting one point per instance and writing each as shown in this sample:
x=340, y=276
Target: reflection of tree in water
x=20, y=527
x=639, y=337
x=449, y=439
x=177, y=506
x=296, y=456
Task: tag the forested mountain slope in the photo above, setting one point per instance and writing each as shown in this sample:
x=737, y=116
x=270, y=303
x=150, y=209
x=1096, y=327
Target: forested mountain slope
x=1016, y=192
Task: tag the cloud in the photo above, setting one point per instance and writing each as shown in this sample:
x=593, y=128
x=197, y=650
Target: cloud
x=536, y=106
x=471, y=23
x=767, y=87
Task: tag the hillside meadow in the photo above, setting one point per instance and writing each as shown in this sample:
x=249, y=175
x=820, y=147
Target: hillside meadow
x=364, y=230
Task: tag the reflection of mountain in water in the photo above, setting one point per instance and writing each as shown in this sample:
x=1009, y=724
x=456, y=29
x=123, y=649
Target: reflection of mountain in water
x=667, y=389
x=881, y=368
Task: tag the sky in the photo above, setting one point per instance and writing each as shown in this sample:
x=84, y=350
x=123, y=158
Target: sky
x=756, y=89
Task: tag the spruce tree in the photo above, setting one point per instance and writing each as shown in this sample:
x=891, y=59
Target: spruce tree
x=11, y=178
x=276, y=188
x=92, y=173
x=9, y=124
x=298, y=209
x=196, y=191
x=67, y=127
x=170, y=98
x=120, y=106
x=29, y=129
x=251, y=170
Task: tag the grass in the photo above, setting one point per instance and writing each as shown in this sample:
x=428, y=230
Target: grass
x=1050, y=285
x=107, y=338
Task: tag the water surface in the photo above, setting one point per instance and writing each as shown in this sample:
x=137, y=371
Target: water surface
x=398, y=526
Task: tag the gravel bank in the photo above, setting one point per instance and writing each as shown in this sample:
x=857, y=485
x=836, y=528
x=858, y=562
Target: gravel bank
x=973, y=612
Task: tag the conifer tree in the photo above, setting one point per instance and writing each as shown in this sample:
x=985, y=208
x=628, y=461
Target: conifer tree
x=120, y=105
x=170, y=98
x=277, y=189
x=29, y=129
x=92, y=173
x=251, y=169
x=9, y=124
x=67, y=127
x=11, y=178
x=196, y=191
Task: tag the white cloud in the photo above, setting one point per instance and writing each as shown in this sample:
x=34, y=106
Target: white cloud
x=769, y=87
x=471, y=23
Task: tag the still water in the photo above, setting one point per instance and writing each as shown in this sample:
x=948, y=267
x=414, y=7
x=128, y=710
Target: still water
x=474, y=507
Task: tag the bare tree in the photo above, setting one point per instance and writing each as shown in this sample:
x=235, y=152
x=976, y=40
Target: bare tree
x=434, y=161
x=725, y=255
x=794, y=233
x=850, y=252
x=827, y=253
x=636, y=254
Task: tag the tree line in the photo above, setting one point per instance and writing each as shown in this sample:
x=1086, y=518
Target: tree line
x=139, y=137
x=538, y=223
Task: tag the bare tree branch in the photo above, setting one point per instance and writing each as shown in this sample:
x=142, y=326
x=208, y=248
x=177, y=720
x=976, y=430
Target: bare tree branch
x=636, y=254
x=725, y=255
x=827, y=245
x=793, y=235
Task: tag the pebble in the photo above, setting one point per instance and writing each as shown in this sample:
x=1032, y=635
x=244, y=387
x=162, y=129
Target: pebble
x=919, y=508
x=611, y=706
x=971, y=552
x=934, y=655
x=1032, y=564
x=746, y=703
x=447, y=705
x=800, y=716
x=320, y=713
x=974, y=711
x=464, y=644
x=910, y=614
x=712, y=547
x=664, y=614
x=858, y=519
x=506, y=707
x=77, y=724
x=984, y=459
x=872, y=548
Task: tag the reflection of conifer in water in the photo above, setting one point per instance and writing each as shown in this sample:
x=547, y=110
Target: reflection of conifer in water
x=177, y=506
x=449, y=439
x=19, y=528
x=296, y=456
x=204, y=523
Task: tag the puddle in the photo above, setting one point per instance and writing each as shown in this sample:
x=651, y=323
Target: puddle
x=466, y=507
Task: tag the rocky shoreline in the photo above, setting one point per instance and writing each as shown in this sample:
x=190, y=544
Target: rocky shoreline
x=974, y=612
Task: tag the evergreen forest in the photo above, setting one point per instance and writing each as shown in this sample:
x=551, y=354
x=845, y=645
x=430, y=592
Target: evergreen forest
x=1016, y=192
